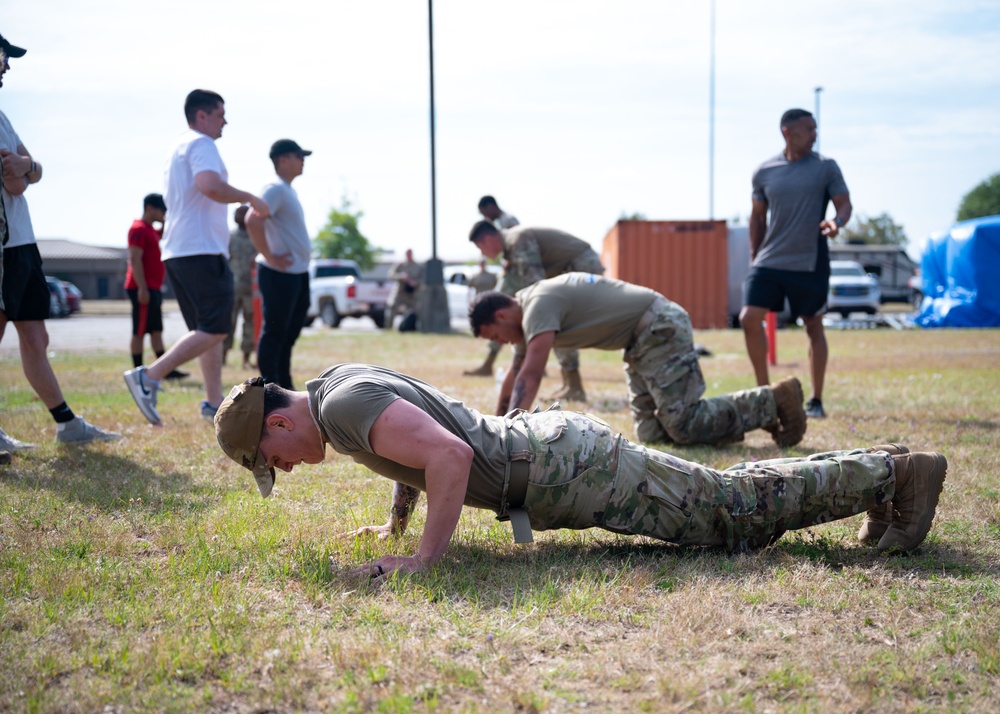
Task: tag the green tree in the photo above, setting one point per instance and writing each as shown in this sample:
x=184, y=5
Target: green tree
x=874, y=230
x=983, y=200
x=341, y=237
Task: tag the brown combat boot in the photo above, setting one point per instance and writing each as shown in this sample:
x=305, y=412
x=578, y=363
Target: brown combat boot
x=485, y=369
x=878, y=519
x=572, y=389
x=791, y=416
x=919, y=480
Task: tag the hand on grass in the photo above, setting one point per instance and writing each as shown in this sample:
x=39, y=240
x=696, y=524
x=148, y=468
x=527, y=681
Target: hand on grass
x=384, y=567
x=382, y=532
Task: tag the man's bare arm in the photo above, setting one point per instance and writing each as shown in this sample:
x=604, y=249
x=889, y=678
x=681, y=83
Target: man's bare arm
x=529, y=376
x=254, y=223
x=831, y=227
x=20, y=170
x=211, y=185
x=758, y=226
x=409, y=436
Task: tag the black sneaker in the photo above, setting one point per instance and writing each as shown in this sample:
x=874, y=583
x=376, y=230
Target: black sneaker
x=814, y=409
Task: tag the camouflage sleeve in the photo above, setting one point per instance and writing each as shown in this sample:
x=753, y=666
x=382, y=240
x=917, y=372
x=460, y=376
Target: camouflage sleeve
x=404, y=500
x=524, y=265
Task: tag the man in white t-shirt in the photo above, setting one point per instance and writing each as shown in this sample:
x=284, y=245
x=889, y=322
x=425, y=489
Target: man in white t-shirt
x=195, y=251
x=284, y=248
x=24, y=294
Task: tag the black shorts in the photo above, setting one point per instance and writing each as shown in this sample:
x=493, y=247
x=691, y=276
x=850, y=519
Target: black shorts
x=26, y=295
x=806, y=292
x=148, y=318
x=203, y=285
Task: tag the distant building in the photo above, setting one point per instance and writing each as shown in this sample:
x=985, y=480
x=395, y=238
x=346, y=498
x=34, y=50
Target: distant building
x=98, y=271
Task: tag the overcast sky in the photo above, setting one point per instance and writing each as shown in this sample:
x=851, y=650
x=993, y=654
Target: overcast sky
x=570, y=112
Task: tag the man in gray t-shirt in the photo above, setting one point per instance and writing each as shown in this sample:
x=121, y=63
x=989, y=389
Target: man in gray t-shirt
x=558, y=469
x=665, y=383
x=788, y=245
x=282, y=264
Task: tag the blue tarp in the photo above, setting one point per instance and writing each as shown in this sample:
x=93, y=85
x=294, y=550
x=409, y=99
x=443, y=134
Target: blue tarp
x=960, y=270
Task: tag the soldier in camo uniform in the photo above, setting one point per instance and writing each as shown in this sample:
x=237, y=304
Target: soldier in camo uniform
x=241, y=262
x=558, y=469
x=530, y=255
x=664, y=378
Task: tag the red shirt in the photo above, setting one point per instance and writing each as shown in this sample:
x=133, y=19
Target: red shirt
x=142, y=235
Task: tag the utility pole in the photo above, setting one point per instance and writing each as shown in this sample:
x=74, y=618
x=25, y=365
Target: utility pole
x=432, y=304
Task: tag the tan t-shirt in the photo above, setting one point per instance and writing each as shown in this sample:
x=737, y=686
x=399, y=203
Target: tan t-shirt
x=584, y=310
x=347, y=399
x=554, y=250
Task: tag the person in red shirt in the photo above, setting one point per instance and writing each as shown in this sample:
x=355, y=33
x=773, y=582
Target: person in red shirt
x=144, y=280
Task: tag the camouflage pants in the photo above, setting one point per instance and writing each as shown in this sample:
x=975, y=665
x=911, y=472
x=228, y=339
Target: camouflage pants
x=400, y=302
x=584, y=475
x=242, y=305
x=665, y=387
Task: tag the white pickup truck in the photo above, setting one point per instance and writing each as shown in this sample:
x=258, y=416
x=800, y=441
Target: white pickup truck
x=337, y=290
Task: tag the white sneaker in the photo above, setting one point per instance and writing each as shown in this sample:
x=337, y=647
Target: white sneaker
x=143, y=391
x=9, y=443
x=79, y=431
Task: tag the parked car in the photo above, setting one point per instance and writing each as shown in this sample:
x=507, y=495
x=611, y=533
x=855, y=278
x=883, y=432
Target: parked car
x=58, y=302
x=916, y=285
x=852, y=289
x=337, y=290
x=456, y=285
x=74, y=296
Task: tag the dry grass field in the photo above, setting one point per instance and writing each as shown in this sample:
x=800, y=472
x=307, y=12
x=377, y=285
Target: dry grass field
x=148, y=575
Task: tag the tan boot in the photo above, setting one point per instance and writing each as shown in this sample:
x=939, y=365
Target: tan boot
x=919, y=480
x=572, y=389
x=485, y=369
x=878, y=519
x=791, y=416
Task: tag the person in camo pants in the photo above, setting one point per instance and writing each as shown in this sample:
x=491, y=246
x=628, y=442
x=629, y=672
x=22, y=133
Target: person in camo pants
x=555, y=469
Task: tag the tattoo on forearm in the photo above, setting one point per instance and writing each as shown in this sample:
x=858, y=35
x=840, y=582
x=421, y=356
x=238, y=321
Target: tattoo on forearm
x=404, y=499
x=517, y=396
x=504, y=406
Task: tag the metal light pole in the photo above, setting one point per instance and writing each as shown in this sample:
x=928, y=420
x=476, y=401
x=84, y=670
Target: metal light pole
x=816, y=92
x=432, y=302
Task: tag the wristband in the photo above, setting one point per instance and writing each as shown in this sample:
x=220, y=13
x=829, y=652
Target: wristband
x=838, y=221
x=34, y=167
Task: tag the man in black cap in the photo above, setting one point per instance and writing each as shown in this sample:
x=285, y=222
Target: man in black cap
x=25, y=294
x=284, y=247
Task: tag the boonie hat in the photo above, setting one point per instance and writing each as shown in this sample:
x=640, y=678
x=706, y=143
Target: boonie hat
x=11, y=50
x=287, y=146
x=238, y=425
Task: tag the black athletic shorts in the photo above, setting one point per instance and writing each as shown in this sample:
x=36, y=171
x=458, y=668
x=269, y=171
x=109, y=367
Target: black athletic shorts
x=148, y=318
x=26, y=295
x=806, y=292
x=203, y=285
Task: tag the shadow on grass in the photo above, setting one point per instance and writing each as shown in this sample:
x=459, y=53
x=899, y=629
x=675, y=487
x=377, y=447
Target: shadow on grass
x=548, y=569
x=103, y=480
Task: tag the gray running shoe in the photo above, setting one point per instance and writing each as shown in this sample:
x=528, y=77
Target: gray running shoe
x=79, y=431
x=208, y=412
x=9, y=443
x=143, y=391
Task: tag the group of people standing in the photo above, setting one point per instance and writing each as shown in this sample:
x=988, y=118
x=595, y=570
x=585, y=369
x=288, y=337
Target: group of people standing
x=198, y=251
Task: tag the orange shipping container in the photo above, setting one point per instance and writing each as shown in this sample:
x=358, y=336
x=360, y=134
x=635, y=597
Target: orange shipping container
x=686, y=261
